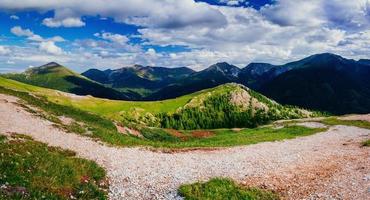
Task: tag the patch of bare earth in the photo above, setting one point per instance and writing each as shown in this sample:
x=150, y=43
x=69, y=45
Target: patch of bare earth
x=128, y=131
x=202, y=134
x=313, y=167
x=177, y=134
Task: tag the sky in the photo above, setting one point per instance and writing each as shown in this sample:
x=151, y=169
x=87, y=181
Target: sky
x=84, y=34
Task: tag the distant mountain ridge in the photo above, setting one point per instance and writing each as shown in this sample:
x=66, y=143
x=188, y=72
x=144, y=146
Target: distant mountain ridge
x=280, y=82
x=325, y=82
x=217, y=74
x=138, y=77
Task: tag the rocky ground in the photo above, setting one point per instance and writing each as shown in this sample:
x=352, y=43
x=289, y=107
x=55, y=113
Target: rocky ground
x=328, y=165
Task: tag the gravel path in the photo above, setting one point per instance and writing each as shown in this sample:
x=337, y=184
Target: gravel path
x=328, y=165
x=357, y=117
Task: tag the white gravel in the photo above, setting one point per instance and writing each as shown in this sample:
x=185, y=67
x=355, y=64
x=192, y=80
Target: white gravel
x=312, y=124
x=136, y=173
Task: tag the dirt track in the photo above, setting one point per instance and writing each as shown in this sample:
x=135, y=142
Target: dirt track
x=329, y=165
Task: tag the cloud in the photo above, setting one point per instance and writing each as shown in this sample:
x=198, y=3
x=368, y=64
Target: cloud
x=166, y=14
x=4, y=50
x=18, y=31
x=15, y=17
x=44, y=44
x=233, y=2
x=283, y=31
x=10, y=62
x=116, y=38
x=66, y=22
x=50, y=47
x=333, y=13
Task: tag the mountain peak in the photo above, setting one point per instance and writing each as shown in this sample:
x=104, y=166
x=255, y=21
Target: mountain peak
x=50, y=64
x=257, y=68
x=325, y=56
x=137, y=66
x=224, y=68
x=51, y=67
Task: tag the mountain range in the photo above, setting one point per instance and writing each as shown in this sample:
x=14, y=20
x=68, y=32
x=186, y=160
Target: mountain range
x=325, y=82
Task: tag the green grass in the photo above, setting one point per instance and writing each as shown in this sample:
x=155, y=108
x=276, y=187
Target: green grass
x=33, y=170
x=105, y=130
x=223, y=189
x=132, y=112
x=102, y=128
x=51, y=78
x=104, y=107
x=227, y=137
x=335, y=121
x=366, y=143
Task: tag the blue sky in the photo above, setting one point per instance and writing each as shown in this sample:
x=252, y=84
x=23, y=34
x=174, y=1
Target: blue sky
x=100, y=34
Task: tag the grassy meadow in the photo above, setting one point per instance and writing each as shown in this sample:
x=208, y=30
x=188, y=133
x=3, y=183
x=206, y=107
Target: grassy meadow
x=223, y=189
x=33, y=170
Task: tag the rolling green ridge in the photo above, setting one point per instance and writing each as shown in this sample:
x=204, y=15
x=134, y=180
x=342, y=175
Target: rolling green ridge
x=92, y=124
x=55, y=76
x=206, y=109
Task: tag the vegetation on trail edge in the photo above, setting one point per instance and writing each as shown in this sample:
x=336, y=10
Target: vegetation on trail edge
x=366, y=143
x=33, y=170
x=223, y=189
x=335, y=121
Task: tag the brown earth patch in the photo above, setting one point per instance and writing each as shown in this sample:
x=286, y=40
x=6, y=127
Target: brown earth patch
x=202, y=134
x=128, y=131
x=177, y=134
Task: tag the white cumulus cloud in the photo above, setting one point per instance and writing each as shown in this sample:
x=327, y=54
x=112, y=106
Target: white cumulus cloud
x=66, y=22
x=283, y=31
x=50, y=47
x=116, y=38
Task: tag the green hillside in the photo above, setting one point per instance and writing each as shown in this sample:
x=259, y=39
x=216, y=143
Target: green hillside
x=55, y=76
x=51, y=76
x=90, y=120
x=225, y=106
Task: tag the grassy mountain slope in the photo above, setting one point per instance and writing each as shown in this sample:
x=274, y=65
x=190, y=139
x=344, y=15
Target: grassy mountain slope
x=91, y=121
x=225, y=106
x=58, y=77
x=228, y=106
